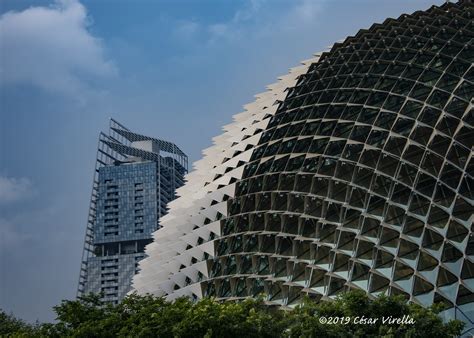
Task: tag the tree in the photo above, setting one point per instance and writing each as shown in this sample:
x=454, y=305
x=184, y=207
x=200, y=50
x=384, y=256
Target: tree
x=356, y=306
x=148, y=316
x=250, y=318
x=10, y=325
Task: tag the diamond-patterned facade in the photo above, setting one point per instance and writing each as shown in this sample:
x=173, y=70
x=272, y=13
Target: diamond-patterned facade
x=355, y=171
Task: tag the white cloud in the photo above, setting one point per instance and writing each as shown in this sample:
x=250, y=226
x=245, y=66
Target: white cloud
x=254, y=20
x=222, y=30
x=307, y=10
x=186, y=29
x=248, y=12
x=234, y=27
x=13, y=189
x=52, y=48
x=300, y=17
x=10, y=235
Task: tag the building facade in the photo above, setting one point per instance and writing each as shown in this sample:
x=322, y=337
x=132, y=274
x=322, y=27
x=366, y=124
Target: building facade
x=136, y=177
x=354, y=171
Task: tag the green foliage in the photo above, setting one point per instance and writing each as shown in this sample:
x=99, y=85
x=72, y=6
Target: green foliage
x=9, y=325
x=356, y=304
x=148, y=316
x=250, y=318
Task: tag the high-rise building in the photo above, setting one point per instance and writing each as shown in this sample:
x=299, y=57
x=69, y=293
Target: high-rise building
x=135, y=178
x=355, y=171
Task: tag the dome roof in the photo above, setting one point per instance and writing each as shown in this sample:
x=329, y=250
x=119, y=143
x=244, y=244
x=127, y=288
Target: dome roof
x=355, y=171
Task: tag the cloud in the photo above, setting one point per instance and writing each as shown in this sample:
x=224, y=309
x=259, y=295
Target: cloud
x=306, y=10
x=234, y=28
x=256, y=19
x=248, y=12
x=300, y=17
x=10, y=235
x=14, y=189
x=186, y=29
x=51, y=48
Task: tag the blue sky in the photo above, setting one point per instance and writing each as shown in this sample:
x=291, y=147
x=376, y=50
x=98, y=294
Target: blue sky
x=177, y=70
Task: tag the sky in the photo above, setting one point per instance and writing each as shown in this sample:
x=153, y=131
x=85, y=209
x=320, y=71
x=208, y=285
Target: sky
x=177, y=70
